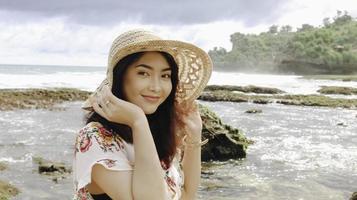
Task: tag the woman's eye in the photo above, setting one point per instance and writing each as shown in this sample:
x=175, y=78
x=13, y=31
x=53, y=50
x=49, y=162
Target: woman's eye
x=166, y=75
x=143, y=73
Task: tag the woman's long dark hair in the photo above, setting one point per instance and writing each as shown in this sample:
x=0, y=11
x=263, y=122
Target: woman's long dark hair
x=161, y=122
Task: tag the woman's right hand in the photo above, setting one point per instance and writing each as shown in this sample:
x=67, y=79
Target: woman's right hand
x=106, y=104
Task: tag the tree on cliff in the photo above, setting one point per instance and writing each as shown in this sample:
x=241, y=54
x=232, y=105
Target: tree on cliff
x=331, y=48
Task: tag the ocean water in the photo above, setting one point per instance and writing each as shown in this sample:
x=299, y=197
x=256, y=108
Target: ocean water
x=88, y=78
x=299, y=152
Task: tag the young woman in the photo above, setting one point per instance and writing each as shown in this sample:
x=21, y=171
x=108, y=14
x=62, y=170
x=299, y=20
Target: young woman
x=142, y=117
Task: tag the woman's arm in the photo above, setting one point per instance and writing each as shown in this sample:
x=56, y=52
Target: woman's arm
x=191, y=162
x=148, y=177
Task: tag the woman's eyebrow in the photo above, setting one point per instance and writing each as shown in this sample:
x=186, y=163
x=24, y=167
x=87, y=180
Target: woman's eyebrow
x=151, y=68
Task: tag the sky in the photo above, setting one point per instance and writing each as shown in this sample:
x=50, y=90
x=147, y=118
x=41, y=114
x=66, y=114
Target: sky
x=80, y=32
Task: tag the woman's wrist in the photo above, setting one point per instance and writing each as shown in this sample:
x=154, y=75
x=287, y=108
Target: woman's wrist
x=139, y=122
x=190, y=142
x=190, y=137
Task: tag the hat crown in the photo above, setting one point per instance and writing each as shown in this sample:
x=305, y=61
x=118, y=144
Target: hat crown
x=130, y=38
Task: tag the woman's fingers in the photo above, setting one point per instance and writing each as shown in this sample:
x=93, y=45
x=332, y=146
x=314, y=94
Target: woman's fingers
x=102, y=104
x=108, y=93
x=98, y=109
x=115, y=109
x=109, y=96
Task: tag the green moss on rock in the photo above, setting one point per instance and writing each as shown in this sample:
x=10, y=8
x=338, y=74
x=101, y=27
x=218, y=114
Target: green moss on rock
x=7, y=190
x=298, y=100
x=245, y=89
x=11, y=99
x=3, y=166
x=337, y=90
x=225, y=141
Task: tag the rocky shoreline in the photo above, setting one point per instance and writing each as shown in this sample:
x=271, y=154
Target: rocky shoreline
x=245, y=89
x=6, y=189
x=234, y=144
x=226, y=93
x=337, y=90
x=225, y=142
x=12, y=99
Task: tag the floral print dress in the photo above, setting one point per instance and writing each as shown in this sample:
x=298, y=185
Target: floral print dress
x=97, y=145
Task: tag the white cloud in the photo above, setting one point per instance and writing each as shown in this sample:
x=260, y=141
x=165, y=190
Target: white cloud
x=300, y=12
x=56, y=41
x=53, y=42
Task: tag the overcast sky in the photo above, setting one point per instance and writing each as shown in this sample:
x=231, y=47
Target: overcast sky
x=80, y=32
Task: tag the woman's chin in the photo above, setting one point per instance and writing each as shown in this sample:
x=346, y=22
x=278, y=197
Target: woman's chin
x=149, y=111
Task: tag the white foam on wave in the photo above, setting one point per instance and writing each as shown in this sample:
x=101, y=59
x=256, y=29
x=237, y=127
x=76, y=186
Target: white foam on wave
x=27, y=157
x=302, y=153
x=84, y=81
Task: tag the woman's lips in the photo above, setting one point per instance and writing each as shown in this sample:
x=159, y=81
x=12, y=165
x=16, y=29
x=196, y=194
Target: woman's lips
x=153, y=99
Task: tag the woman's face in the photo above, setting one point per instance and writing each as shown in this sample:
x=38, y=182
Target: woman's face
x=147, y=82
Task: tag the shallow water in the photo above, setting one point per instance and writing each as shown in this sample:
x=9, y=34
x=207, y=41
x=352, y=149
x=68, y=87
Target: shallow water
x=299, y=152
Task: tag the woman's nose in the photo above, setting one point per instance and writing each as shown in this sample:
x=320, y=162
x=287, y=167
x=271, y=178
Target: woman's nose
x=155, y=84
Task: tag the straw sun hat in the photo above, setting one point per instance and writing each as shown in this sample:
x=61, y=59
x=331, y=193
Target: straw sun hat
x=194, y=64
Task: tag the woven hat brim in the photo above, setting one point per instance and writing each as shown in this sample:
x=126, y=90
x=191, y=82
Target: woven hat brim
x=194, y=66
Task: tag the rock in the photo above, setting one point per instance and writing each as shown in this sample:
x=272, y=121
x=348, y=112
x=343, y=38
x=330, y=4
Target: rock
x=3, y=166
x=210, y=186
x=261, y=101
x=51, y=167
x=254, y=111
x=7, y=190
x=11, y=99
x=341, y=124
x=298, y=100
x=225, y=142
x=337, y=90
x=245, y=89
x=354, y=196
x=221, y=95
x=54, y=170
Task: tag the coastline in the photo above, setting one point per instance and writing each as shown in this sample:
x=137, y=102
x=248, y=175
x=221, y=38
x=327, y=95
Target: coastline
x=46, y=99
x=12, y=99
x=225, y=141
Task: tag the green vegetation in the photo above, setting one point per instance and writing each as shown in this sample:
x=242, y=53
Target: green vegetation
x=11, y=99
x=3, y=166
x=330, y=49
x=337, y=90
x=298, y=100
x=7, y=190
x=225, y=142
x=245, y=89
